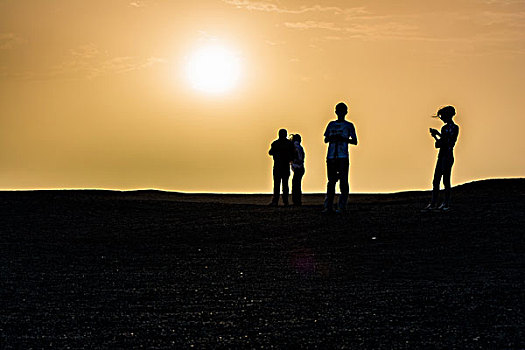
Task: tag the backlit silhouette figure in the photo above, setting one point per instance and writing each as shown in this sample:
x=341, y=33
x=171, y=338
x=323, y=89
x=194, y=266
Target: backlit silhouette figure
x=298, y=170
x=282, y=150
x=339, y=134
x=445, y=141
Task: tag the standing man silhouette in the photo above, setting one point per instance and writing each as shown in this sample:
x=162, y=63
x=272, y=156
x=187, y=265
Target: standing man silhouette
x=445, y=141
x=282, y=150
x=339, y=134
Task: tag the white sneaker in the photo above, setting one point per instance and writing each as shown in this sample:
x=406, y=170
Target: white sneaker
x=429, y=207
x=444, y=207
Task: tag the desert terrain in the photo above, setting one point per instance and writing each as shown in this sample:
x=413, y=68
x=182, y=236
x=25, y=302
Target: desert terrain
x=158, y=270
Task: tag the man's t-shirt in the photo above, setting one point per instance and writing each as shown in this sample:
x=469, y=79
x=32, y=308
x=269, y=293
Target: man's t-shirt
x=345, y=129
x=282, y=151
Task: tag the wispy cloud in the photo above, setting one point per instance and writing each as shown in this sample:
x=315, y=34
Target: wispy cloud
x=85, y=51
x=137, y=3
x=510, y=19
x=272, y=7
x=496, y=20
x=7, y=73
x=352, y=22
x=90, y=62
x=313, y=25
x=372, y=31
x=505, y=2
x=9, y=41
x=128, y=64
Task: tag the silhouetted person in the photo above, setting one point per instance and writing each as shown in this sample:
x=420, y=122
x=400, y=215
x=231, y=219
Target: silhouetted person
x=298, y=170
x=339, y=134
x=445, y=141
x=282, y=150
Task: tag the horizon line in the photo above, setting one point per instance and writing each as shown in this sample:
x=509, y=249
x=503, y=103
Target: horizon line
x=231, y=193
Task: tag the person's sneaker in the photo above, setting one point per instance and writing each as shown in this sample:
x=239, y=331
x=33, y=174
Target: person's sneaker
x=273, y=204
x=444, y=207
x=429, y=207
x=340, y=211
x=327, y=211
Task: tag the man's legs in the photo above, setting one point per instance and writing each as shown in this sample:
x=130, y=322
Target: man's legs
x=331, y=170
x=296, y=186
x=276, y=185
x=285, y=175
x=343, y=182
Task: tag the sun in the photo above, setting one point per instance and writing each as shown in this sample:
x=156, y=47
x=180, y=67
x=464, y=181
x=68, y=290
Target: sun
x=213, y=69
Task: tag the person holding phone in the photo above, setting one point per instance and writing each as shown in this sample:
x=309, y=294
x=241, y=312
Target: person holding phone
x=445, y=140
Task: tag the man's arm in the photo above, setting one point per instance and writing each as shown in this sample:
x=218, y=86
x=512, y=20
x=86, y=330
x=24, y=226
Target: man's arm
x=327, y=137
x=333, y=138
x=353, y=136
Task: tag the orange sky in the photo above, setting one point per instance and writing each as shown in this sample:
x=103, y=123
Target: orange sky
x=95, y=94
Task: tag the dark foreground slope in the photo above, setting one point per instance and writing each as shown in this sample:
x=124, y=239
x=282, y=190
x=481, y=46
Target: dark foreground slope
x=91, y=269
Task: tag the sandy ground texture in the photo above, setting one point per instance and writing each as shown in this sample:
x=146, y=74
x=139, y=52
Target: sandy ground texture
x=102, y=269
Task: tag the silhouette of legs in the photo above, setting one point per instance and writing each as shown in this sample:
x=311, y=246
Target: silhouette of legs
x=296, y=186
x=446, y=180
x=443, y=169
x=286, y=190
x=331, y=170
x=337, y=169
x=280, y=175
x=343, y=183
x=276, y=185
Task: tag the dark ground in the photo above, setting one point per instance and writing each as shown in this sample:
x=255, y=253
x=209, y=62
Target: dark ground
x=100, y=269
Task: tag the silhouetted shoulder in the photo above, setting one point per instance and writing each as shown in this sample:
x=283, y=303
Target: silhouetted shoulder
x=330, y=123
x=349, y=124
x=334, y=124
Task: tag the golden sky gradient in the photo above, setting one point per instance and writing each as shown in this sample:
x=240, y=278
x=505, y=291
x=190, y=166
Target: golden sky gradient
x=95, y=94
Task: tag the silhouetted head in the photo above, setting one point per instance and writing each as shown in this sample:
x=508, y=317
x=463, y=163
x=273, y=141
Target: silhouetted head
x=283, y=133
x=296, y=137
x=341, y=109
x=446, y=113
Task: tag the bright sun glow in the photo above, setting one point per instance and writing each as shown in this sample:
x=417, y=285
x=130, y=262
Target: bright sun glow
x=213, y=69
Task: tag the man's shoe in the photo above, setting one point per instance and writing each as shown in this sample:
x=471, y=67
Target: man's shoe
x=444, y=207
x=429, y=207
x=327, y=211
x=273, y=204
x=340, y=211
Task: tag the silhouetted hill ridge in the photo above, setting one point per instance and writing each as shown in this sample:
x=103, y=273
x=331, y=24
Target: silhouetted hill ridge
x=477, y=190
